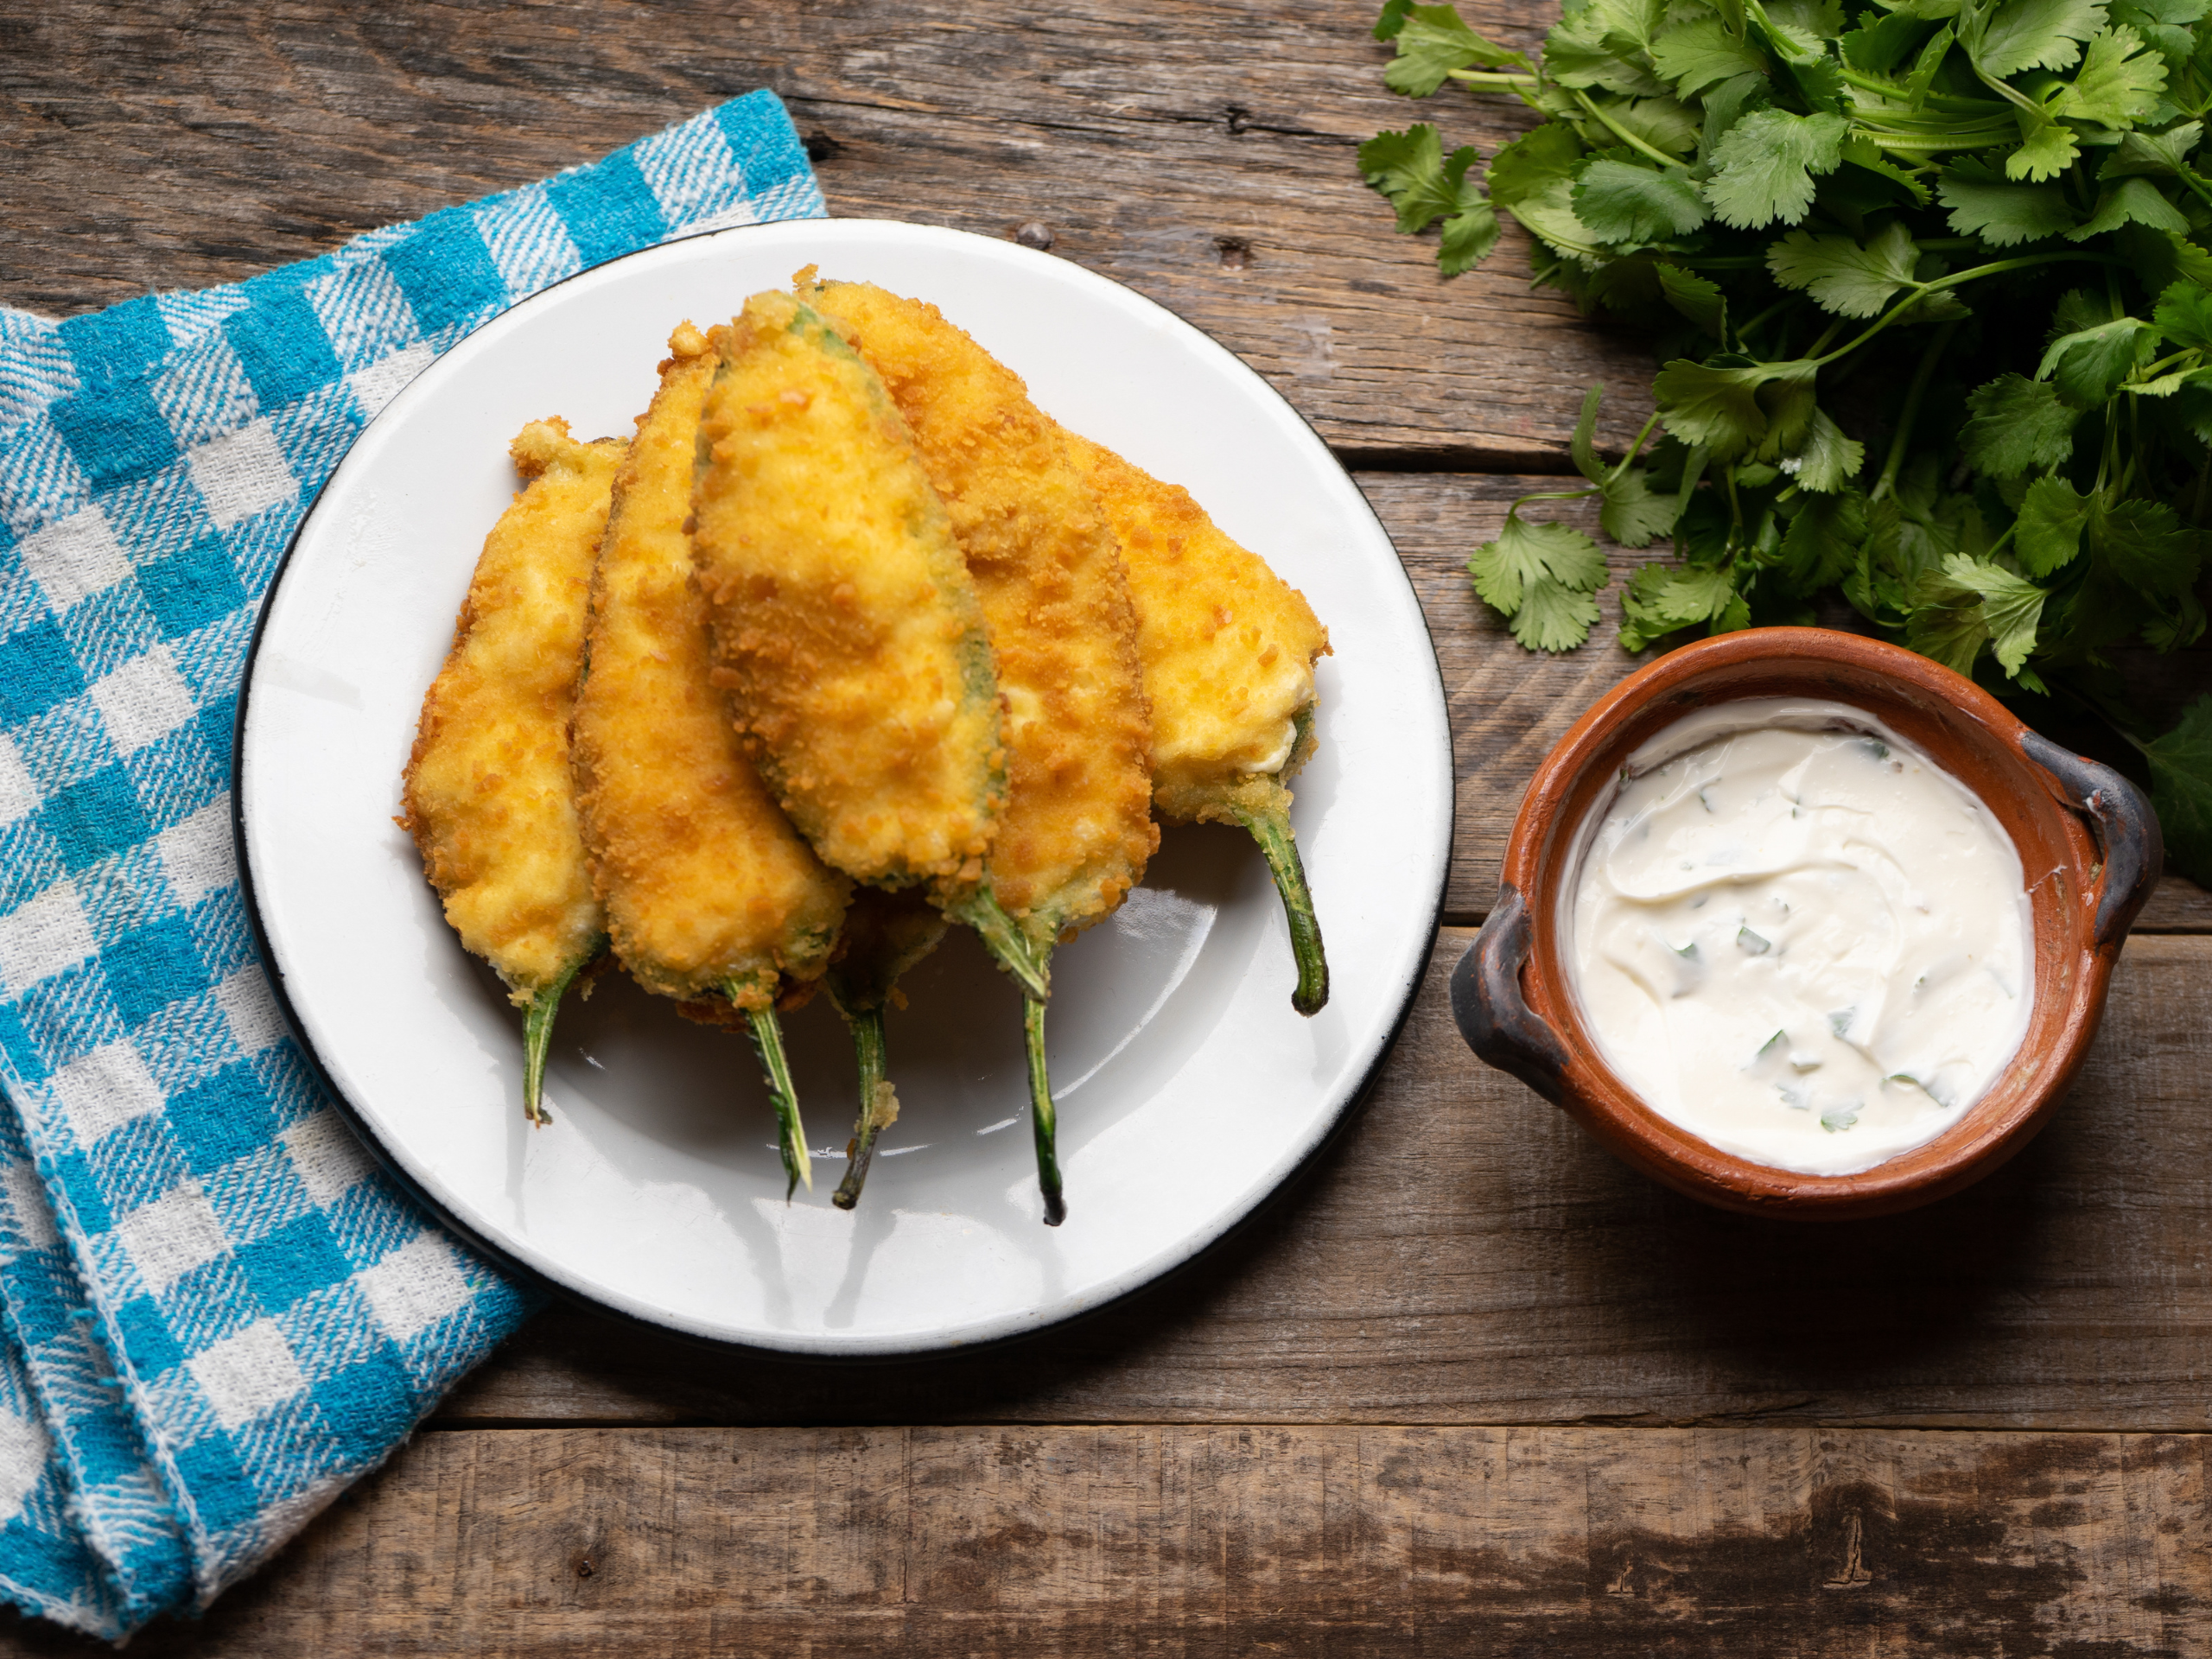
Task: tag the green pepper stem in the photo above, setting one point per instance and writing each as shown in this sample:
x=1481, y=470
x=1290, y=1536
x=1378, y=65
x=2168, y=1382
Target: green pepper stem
x=1044, y=1118
x=1003, y=937
x=768, y=1046
x=1271, y=829
x=537, y=1040
x=868, y=1051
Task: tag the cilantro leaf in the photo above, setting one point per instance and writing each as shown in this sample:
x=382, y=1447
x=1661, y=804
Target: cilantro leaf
x=1624, y=202
x=2165, y=24
x=2009, y=606
x=1663, y=123
x=1410, y=168
x=2052, y=518
x=2119, y=82
x=2132, y=201
x=1809, y=23
x=1716, y=406
x=2161, y=155
x=1700, y=54
x=2046, y=150
x=1842, y=277
x=1863, y=152
x=2034, y=34
x=1532, y=163
x=1554, y=617
x=1949, y=627
x=1880, y=43
x=1424, y=184
x=2016, y=423
x=1599, y=43
x=1826, y=460
x=1549, y=213
x=2003, y=214
x=1469, y=235
x=1433, y=42
x=1695, y=297
x=2185, y=316
x=1763, y=169
x=2087, y=364
x=1540, y=577
x=1658, y=601
x=1822, y=543
x=1930, y=61
x=1634, y=514
x=2181, y=790
x=1581, y=443
x=2146, y=544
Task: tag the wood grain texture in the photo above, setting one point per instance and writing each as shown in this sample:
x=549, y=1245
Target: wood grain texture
x=1466, y=1255
x=1202, y=153
x=1774, y=1541
x=1740, y=1437
x=1509, y=705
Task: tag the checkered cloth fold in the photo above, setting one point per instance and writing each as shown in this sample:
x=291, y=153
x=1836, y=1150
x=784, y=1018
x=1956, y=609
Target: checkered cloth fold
x=218, y=1310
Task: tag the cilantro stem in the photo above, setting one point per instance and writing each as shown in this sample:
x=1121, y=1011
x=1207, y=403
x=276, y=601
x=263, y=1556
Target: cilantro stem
x=1903, y=95
x=1622, y=133
x=1910, y=412
x=1491, y=79
x=1614, y=477
x=2195, y=183
x=1955, y=280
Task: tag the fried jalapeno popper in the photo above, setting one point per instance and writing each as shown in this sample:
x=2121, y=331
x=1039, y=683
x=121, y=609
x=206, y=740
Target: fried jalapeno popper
x=1078, y=827
x=847, y=632
x=844, y=623
x=1229, y=650
x=487, y=794
x=709, y=892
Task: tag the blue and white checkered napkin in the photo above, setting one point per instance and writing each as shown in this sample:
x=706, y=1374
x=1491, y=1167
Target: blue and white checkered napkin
x=220, y=1311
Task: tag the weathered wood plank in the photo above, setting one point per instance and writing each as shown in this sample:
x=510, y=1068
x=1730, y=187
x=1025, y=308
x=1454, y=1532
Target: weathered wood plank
x=146, y=151
x=1202, y=153
x=1468, y=1256
x=1142, y=1539
x=1509, y=705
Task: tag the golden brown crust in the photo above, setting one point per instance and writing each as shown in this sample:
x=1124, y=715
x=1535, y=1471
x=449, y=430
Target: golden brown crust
x=706, y=885
x=1078, y=827
x=1228, y=648
x=844, y=622
x=487, y=792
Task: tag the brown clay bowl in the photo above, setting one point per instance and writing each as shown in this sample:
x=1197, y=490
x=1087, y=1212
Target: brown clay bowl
x=2088, y=843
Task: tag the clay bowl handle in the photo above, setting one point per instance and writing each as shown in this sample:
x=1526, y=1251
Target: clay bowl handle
x=2126, y=829
x=1493, y=1015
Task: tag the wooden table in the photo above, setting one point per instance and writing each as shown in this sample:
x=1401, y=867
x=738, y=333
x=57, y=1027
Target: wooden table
x=1475, y=1388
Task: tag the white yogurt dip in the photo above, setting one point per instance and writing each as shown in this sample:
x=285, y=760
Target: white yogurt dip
x=1796, y=937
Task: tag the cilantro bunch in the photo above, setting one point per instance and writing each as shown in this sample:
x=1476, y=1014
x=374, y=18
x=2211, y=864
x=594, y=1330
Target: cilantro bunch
x=1932, y=290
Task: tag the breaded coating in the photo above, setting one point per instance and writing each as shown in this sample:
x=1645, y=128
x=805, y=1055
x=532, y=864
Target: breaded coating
x=709, y=890
x=844, y=622
x=1229, y=650
x=1229, y=647
x=1078, y=827
x=487, y=795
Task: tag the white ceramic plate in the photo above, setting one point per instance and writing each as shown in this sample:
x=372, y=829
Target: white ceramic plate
x=1188, y=1088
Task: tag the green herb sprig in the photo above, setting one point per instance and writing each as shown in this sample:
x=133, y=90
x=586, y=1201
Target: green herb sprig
x=1933, y=293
